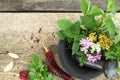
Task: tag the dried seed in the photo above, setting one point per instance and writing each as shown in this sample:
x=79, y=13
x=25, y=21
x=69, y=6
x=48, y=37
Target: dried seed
x=13, y=55
x=9, y=66
x=32, y=47
x=38, y=40
x=39, y=30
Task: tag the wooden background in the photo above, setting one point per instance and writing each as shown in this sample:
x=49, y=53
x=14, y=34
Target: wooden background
x=47, y=5
x=16, y=29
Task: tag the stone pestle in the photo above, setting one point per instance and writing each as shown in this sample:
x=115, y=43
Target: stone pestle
x=109, y=67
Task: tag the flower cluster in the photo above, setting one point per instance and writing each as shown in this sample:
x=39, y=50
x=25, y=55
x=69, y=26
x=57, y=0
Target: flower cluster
x=105, y=42
x=92, y=46
x=94, y=36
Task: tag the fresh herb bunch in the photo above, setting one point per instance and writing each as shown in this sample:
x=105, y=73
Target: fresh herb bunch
x=93, y=36
x=37, y=70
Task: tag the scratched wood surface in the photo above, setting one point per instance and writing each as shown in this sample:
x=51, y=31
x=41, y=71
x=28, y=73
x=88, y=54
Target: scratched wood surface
x=47, y=5
x=16, y=31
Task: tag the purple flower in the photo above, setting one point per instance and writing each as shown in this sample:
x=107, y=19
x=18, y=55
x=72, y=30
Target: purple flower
x=86, y=42
x=93, y=59
x=83, y=49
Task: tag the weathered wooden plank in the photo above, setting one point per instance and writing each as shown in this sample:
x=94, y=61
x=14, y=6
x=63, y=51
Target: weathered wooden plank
x=15, y=37
x=47, y=5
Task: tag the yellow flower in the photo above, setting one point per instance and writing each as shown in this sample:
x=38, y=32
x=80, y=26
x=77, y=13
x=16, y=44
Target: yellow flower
x=92, y=36
x=105, y=42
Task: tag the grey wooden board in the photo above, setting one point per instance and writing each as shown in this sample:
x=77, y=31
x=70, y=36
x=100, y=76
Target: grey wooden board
x=15, y=37
x=47, y=5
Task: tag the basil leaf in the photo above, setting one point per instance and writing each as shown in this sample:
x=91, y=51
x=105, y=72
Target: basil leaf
x=64, y=24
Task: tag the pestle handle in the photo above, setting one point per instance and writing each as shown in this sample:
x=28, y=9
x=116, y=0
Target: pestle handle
x=97, y=65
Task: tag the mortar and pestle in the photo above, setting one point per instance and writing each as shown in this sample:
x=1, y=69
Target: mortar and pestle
x=89, y=70
x=109, y=67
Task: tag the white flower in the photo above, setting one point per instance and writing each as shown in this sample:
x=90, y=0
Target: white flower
x=95, y=47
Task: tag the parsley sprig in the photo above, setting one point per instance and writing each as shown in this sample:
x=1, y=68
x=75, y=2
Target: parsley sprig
x=37, y=70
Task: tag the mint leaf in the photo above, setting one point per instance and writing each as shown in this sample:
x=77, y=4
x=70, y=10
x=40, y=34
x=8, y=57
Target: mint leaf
x=64, y=24
x=94, y=11
x=68, y=33
x=109, y=24
x=74, y=30
x=75, y=47
x=78, y=37
x=89, y=22
x=61, y=35
x=85, y=6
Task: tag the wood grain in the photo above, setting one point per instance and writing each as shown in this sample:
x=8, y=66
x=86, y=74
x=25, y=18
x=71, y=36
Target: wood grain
x=48, y=5
x=15, y=37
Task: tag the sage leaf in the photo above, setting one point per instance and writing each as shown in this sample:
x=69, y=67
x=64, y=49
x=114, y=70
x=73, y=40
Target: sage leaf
x=13, y=55
x=9, y=66
x=85, y=6
x=64, y=24
x=109, y=24
x=94, y=11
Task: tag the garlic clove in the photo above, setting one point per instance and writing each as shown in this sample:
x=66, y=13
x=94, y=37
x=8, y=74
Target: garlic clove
x=9, y=67
x=13, y=55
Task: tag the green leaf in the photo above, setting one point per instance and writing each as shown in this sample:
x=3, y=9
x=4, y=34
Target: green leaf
x=89, y=22
x=78, y=37
x=37, y=69
x=117, y=39
x=85, y=6
x=83, y=27
x=119, y=69
x=61, y=35
x=111, y=7
x=69, y=33
x=64, y=24
x=82, y=58
x=109, y=24
x=75, y=47
x=74, y=30
x=94, y=11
